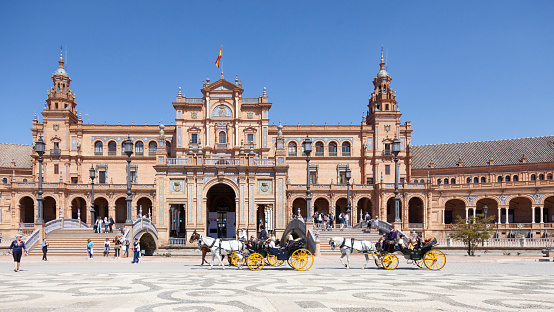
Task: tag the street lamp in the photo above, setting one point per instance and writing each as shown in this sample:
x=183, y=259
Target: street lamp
x=395, y=152
x=485, y=210
x=92, y=175
x=128, y=150
x=348, y=176
x=307, y=144
x=40, y=146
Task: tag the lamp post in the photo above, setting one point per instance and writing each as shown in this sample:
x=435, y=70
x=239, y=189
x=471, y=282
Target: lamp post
x=348, y=210
x=307, y=144
x=128, y=149
x=395, y=152
x=40, y=147
x=92, y=174
x=485, y=210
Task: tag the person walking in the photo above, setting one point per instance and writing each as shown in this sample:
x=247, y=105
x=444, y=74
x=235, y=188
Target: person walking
x=89, y=249
x=111, y=223
x=107, y=247
x=106, y=225
x=341, y=221
x=346, y=219
x=99, y=225
x=136, y=251
x=331, y=221
x=127, y=248
x=44, y=249
x=117, y=247
x=17, y=248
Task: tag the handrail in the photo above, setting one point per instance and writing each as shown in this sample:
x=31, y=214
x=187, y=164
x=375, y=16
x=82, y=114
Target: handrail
x=311, y=241
x=385, y=227
x=53, y=225
x=32, y=239
x=143, y=223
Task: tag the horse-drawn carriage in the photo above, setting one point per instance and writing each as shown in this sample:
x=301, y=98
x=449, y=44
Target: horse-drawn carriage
x=294, y=253
x=423, y=256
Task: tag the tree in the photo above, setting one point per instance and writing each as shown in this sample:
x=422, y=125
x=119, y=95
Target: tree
x=473, y=231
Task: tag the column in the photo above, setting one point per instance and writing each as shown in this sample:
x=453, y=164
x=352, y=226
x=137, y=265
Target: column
x=532, y=214
x=542, y=214
x=443, y=210
x=499, y=215
x=506, y=221
x=474, y=211
x=467, y=213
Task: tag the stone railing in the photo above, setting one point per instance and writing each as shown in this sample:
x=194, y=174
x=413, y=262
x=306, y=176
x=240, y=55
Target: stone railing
x=222, y=161
x=310, y=241
x=176, y=161
x=264, y=162
x=53, y=225
x=194, y=100
x=32, y=239
x=176, y=241
x=249, y=100
x=501, y=242
x=143, y=223
x=64, y=223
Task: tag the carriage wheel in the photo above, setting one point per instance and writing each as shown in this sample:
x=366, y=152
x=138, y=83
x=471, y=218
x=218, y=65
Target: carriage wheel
x=390, y=261
x=434, y=260
x=255, y=261
x=420, y=263
x=235, y=259
x=301, y=259
x=272, y=260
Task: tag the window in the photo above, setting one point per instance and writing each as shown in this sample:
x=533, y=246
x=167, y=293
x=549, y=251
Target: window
x=5, y=180
x=57, y=148
x=507, y=179
x=112, y=148
x=541, y=176
x=387, y=149
x=439, y=181
x=476, y=180
x=516, y=178
x=342, y=177
x=74, y=180
x=319, y=148
x=421, y=181
x=139, y=149
x=386, y=106
x=133, y=177
x=533, y=177
x=168, y=148
x=468, y=180
x=401, y=181
x=292, y=148
x=313, y=177
x=500, y=178
x=483, y=180
x=370, y=181
x=345, y=149
x=101, y=176
x=98, y=148
x=452, y=181
x=549, y=176
x=445, y=180
x=250, y=140
x=387, y=169
x=56, y=169
x=194, y=138
x=222, y=137
x=152, y=148
x=332, y=149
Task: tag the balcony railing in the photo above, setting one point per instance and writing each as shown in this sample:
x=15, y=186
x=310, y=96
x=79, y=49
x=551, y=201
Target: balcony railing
x=291, y=154
x=264, y=162
x=319, y=153
x=177, y=161
x=222, y=161
x=222, y=145
x=249, y=100
x=194, y=100
x=346, y=153
x=55, y=151
x=98, y=153
x=112, y=153
x=332, y=153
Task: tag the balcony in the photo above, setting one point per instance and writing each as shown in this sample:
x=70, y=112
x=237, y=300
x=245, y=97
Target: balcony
x=250, y=146
x=222, y=161
x=346, y=154
x=222, y=145
x=177, y=161
x=319, y=154
x=55, y=151
x=292, y=154
x=264, y=162
x=98, y=153
x=332, y=154
x=112, y=153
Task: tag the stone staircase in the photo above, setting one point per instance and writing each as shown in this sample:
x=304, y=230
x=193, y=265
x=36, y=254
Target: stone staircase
x=73, y=242
x=357, y=234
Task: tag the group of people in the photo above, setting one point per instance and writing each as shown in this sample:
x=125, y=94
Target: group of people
x=104, y=224
x=262, y=240
x=119, y=244
x=390, y=240
x=328, y=221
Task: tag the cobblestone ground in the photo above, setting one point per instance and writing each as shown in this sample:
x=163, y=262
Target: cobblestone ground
x=181, y=284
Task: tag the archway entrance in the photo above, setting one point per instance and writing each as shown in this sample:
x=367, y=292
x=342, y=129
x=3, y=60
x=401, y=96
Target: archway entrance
x=148, y=244
x=364, y=207
x=340, y=207
x=520, y=210
x=79, y=208
x=120, y=210
x=299, y=203
x=492, y=208
x=454, y=209
x=26, y=210
x=100, y=207
x=321, y=205
x=548, y=214
x=390, y=209
x=144, y=204
x=221, y=211
x=49, y=208
x=415, y=211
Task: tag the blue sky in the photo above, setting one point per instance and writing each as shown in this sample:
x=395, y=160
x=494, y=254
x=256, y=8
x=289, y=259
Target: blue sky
x=463, y=70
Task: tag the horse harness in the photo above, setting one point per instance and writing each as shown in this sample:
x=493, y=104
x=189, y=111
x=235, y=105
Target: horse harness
x=219, y=247
x=351, y=244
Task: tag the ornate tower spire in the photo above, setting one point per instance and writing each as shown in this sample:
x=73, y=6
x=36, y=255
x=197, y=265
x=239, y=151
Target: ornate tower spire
x=60, y=98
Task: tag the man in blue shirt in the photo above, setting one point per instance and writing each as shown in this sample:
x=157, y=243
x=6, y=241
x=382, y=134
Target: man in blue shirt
x=17, y=248
x=136, y=251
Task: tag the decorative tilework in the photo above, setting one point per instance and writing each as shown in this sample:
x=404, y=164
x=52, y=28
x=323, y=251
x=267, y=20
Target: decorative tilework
x=502, y=198
x=537, y=197
x=242, y=203
x=199, y=203
x=265, y=187
x=470, y=199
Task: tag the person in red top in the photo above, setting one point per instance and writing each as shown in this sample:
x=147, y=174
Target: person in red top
x=17, y=248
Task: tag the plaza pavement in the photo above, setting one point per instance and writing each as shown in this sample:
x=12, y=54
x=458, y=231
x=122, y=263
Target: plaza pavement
x=484, y=283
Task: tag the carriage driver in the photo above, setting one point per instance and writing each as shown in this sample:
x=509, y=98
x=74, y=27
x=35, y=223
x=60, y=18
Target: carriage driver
x=390, y=239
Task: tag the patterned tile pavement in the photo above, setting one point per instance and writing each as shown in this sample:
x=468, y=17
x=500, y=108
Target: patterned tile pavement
x=180, y=284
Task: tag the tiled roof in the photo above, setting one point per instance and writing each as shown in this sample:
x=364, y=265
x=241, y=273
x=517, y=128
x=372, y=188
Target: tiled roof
x=21, y=154
x=474, y=154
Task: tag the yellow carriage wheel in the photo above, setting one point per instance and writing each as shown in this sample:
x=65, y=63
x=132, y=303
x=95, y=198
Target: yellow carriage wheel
x=255, y=261
x=301, y=259
x=434, y=260
x=390, y=261
x=272, y=260
x=420, y=263
x=236, y=259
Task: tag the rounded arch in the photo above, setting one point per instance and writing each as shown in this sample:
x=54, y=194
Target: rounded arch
x=225, y=181
x=319, y=147
x=548, y=212
x=143, y=203
x=321, y=204
x=148, y=241
x=49, y=208
x=332, y=148
x=519, y=210
x=292, y=148
x=26, y=209
x=220, y=213
x=98, y=147
x=152, y=147
x=340, y=206
x=364, y=205
x=346, y=148
x=112, y=147
x=416, y=209
x=478, y=198
x=101, y=204
x=529, y=197
x=391, y=209
x=492, y=207
x=79, y=208
x=299, y=203
x=120, y=209
x=139, y=147
x=454, y=209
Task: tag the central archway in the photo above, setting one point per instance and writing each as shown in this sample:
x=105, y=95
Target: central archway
x=221, y=211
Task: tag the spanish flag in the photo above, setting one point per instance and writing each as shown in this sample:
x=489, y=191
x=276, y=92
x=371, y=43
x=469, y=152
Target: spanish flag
x=218, y=58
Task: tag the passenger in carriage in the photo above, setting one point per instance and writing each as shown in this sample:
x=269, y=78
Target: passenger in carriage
x=272, y=242
x=263, y=233
x=390, y=239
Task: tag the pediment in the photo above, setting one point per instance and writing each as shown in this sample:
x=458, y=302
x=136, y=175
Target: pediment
x=222, y=85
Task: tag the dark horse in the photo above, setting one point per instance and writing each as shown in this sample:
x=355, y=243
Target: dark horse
x=204, y=248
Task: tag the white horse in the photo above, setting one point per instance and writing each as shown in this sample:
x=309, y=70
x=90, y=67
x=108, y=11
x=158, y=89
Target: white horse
x=220, y=247
x=349, y=245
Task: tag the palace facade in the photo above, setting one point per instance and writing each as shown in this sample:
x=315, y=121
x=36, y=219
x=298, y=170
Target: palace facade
x=221, y=166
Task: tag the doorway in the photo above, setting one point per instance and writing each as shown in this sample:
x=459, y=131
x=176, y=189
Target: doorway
x=221, y=211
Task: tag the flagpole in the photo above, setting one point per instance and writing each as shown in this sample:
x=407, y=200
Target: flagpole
x=220, y=64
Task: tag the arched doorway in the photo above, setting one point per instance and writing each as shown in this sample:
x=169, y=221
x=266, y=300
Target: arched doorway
x=299, y=203
x=148, y=244
x=26, y=210
x=321, y=205
x=415, y=211
x=79, y=206
x=340, y=207
x=145, y=204
x=221, y=211
x=492, y=208
x=49, y=209
x=120, y=210
x=100, y=207
x=177, y=220
x=454, y=209
x=364, y=206
x=519, y=210
x=548, y=211
x=390, y=210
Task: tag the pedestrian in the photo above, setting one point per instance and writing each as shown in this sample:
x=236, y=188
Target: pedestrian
x=243, y=236
x=99, y=225
x=89, y=249
x=106, y=225
x=117, y=247
x=127, y=248
x=107, y=247
x=136, y=251
x=17, y=248
x=44, y=249
x=341, y=221
x=331, y=221
x=111, y=223
x=346, y=220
